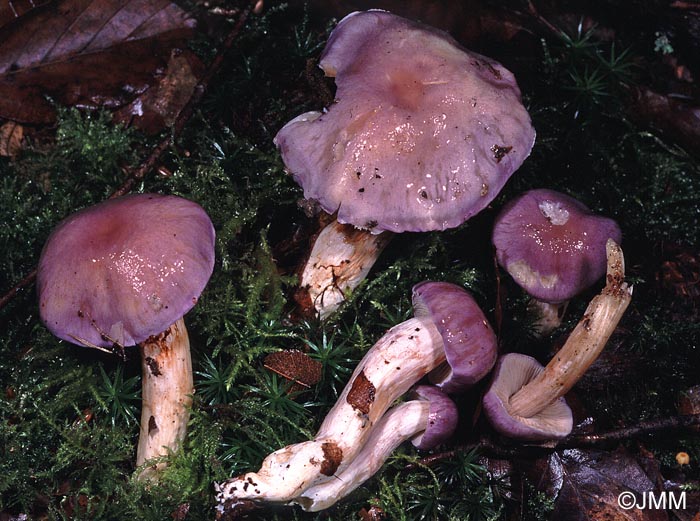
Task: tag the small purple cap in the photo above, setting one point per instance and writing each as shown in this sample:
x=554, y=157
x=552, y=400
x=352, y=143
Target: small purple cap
x=552, y=245
x=512, y=372
x=442, y=417
x=125, y=269
x=470, y=343
x=423, y=134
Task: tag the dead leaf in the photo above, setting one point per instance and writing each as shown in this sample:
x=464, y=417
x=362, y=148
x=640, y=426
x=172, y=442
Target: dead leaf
x=160, y=105
x=11, y=135
x=689, y=401
x=675, y=118
x=295, y=366
x=85, y=53
x=374, y=513
x=678, y=278
x=15, y=8
x=588, y=483
x=180, y=513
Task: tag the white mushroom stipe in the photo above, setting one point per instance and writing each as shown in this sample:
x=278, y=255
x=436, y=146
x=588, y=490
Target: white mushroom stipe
x=422, y=135
x=340, y=260
x=584, y=344
x=405, y=354
x=400, y=423
x=167, y=391
x=547, y=317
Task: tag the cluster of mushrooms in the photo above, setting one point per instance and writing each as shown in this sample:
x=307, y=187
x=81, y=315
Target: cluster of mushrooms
x=422, y=136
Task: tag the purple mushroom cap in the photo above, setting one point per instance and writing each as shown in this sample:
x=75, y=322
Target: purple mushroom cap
x=125, y=269
x=552, y=245
x=423, y=134
x=470, y=343
x=442, y=417
x=512, y=372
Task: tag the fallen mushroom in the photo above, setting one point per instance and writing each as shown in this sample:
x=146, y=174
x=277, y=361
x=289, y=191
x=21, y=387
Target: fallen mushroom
x=444, y=320
x=423, y=134
x=125, y=272
x=554, y=248
x=428, y=420
x=472, y=353
x=512, y=372
x=525, y=401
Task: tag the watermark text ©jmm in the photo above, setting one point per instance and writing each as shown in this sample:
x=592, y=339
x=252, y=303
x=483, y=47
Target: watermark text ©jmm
x=652, y=500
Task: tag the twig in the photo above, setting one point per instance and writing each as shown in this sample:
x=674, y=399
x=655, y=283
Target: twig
x=496, y=448
x=186, y=113
x=636, y=431
x=150, y=162
x=28, y=280
x=535, y=13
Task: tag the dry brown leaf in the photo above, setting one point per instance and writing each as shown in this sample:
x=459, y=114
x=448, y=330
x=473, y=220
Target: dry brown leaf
x=11, y=135
x=85, y=53
x=295, y=366
x=12, y=9
x=160, y=105
x=374, y=513
x=588, y=483
x=180, y=513
x=675, y=118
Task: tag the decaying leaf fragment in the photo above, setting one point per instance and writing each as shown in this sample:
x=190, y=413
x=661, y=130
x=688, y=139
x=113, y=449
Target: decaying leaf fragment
x=85, y=53
x=161, y=104
x=11, y=135
x=15, y=8
x=295, y=366
x=595, y=485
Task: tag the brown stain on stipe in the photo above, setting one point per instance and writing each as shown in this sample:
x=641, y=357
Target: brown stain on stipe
x=153, y=366
x=361, y=394
x=160, y=346
x=161, y=338
x=332, y=458
x=152, y=425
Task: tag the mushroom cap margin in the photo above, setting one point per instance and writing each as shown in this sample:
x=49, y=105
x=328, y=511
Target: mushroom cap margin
x=124, y=269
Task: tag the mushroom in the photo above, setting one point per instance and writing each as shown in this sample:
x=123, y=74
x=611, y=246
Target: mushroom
x=512, y=372
x=444, y=320
x=472, y=352
x=428, y=420
x=423, y=134
x=125, y=272
x=554, y=248
x=524, y=400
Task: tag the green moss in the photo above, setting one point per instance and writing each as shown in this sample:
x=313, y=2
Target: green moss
x=53, y=463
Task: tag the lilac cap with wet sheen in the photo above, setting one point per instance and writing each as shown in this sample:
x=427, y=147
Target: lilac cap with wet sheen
x=125, y=269
x=470, y=343
x=442, y=417
x=552, y=245
x=423, y=134
x=512, y=372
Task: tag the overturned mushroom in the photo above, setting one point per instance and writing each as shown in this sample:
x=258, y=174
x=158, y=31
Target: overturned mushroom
x=554, y=248
x=524, y=400
x=422, y=136
x=472, y=352
x=405, y=354
x=124, y=272
x=428, y=420
x=511, y=373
